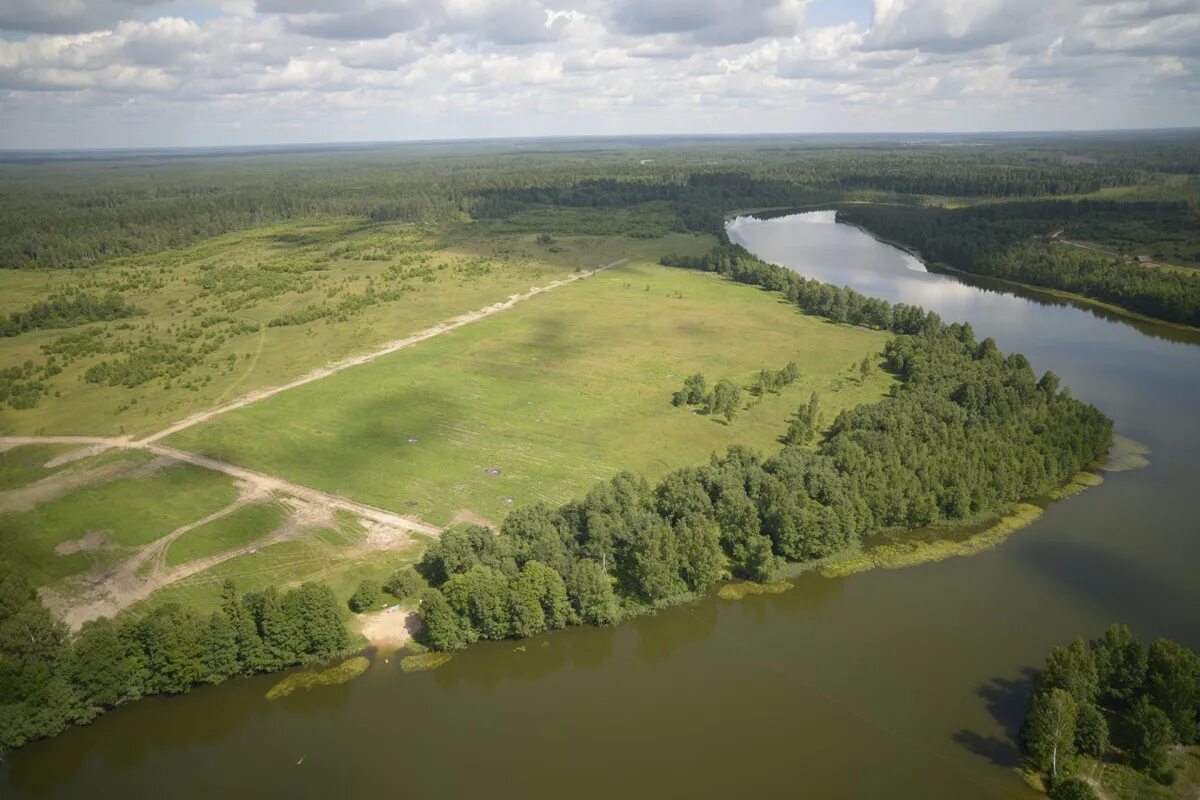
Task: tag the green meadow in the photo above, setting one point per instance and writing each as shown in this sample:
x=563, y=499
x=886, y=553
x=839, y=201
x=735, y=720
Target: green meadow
x=541, y=401
x=98, y=525
x=233, y=530
x=259, y=308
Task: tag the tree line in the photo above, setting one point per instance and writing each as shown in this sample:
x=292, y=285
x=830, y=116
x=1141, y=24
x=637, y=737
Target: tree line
x=967, y=431
x=50, y=681
x=1001, y=241
x=133, y=205
x=1112, y=699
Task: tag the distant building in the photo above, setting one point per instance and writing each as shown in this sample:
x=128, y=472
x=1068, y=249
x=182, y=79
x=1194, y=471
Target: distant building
x=1144, y=260
x=1126, y=257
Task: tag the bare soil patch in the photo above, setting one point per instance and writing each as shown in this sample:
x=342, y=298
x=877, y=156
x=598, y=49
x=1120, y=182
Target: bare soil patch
x=88, y=543
x=390, y=629
x=77, y=455
x=381, y=536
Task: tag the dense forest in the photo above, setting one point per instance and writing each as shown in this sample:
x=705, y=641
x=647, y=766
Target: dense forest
x=1004, y=241
x=966, y=432
x=1112, y=699
x=64, y=213
x=49, y=680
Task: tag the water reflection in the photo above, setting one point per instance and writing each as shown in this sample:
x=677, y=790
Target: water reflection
x=844, y=256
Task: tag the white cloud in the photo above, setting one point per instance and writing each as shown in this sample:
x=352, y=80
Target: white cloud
x=68, y=16
x=138, y=72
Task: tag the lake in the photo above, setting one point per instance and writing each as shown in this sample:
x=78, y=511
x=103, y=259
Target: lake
x=903, y=683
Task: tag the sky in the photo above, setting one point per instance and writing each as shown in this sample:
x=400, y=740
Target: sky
x=135, y=73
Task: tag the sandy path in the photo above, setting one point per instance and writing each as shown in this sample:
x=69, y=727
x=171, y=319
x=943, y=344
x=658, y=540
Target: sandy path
x=390, y=347
x=132, y=581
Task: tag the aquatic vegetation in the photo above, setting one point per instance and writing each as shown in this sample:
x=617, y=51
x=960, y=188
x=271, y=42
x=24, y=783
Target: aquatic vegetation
x=1126, y=454
x=743, y=589
x=421, y=662
x=896, y=554
x=1079, y=482
x=345, y=672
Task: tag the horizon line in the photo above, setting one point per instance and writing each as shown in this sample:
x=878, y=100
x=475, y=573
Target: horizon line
x=363, y=143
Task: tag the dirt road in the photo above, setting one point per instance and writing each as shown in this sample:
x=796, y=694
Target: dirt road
x=147, y=570
x=354, y=361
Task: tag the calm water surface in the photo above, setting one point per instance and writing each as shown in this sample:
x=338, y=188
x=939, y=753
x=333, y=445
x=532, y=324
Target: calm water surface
x=906, y=683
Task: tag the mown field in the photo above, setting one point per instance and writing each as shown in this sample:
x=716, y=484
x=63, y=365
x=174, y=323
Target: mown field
x=540, y=402
x=255, y=309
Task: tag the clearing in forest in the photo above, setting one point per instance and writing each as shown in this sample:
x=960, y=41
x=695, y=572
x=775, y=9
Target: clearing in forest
x=544, y=400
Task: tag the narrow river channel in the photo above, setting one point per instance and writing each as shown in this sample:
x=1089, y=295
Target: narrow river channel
x=891, y=683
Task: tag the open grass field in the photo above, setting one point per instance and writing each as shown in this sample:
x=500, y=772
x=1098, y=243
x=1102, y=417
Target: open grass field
x=240, y=528
x=254, y=309
x=23, y=465
x=544, y=400
x=94, y=527
x=535, y=403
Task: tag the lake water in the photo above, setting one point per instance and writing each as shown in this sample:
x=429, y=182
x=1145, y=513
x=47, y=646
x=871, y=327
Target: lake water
x=892, y=683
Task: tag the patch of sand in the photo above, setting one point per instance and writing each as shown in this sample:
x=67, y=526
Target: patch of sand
x=390, y=629
x=381, y=536
x=77, y=455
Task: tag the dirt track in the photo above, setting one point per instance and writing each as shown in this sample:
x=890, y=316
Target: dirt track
x=146, y=571
x=354, y=361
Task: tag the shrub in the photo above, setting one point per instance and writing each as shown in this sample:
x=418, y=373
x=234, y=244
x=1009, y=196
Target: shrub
x=365, y=597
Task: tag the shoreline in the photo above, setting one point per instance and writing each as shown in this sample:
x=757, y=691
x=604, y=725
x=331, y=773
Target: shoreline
x=945, y=269
x=1062, y=294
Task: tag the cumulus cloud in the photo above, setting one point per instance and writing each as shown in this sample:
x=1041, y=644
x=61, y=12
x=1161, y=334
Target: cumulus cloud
x=145, y=72
x=68, y=16
x=506, y=22
x=710, y=21
x=952, y=26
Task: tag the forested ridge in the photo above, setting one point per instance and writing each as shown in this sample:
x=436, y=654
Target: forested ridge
x=966, y=432
x=50, y=681
x=1002, y=241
